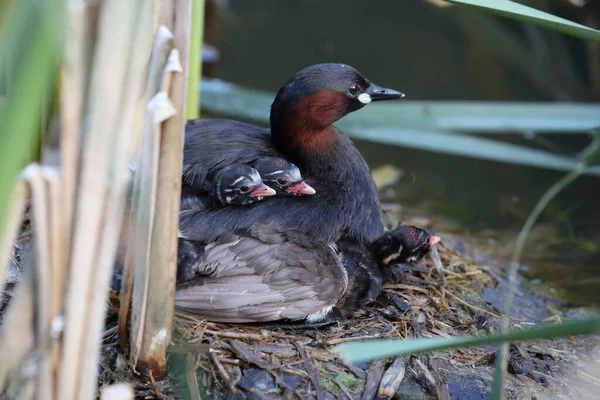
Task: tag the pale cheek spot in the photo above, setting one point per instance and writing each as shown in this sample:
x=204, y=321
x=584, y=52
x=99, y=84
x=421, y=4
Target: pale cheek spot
x=364, y=98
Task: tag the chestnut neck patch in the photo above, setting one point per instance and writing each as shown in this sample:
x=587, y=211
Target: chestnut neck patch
x=306, y=125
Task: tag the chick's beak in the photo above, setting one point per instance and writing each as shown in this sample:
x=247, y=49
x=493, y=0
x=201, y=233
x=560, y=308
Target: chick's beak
x=433, y=240
x=378, y=93
x=262, y=191
x=301, y=188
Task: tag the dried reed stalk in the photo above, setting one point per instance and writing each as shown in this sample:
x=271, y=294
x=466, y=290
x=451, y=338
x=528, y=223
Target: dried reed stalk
x=143, y=202
x=58, y=256
x=39, y=179
x=152, y=252
x=102, y=185
x=19, y=316
x=10, y=231
x=15, y=343
x=160, y=270
x=163, y=256
x=93, y=188
x=41, y=182
x=139, y=53
x=72, y=103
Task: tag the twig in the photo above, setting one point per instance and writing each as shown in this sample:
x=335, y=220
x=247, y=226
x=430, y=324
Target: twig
x=352, y=339
x=109, y=333
x=392, y=378
x=279, y=382
x=441, y=388
x=472, y=306
x=454, y=275
x=289, y=364
x=221, y=370
x=440, y=294
x=294, y=371
x=406, y=287
x=154, y=386
x=437, y=261
x=195, y=333
x=312, y=373
x=230, y=361
x=373, y=380
x=426, y=372
x=236, y=335
x=280, y=350
x=359, y=373
x=338, y=383
x=246, y=354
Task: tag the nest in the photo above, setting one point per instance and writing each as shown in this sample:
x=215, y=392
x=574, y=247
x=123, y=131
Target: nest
x=212, y=360
x=254, y=362
x=223, y=361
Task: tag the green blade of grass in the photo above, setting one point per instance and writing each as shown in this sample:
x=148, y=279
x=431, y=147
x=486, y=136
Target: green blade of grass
x=481, y=116
x=420, y=125
x=500, y=366
x=464, y=116
x=195, y=60
x=374, y=349
x=30, y=86
x=469, y=146
x=523, y=13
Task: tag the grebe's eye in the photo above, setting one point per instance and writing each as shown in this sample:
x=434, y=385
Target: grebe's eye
x=386, y=240
x=244, y=189
x=353, y=90
x=282, y=181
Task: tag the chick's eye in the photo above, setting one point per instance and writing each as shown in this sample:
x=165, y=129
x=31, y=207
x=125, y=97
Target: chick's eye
x=282, y=181
x=353, y=90
x=244, y=189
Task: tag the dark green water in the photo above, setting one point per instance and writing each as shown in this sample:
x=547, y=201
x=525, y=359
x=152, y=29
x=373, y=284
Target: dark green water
x=433, y=53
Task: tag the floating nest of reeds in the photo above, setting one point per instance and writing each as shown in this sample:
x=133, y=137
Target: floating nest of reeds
x=235, y=361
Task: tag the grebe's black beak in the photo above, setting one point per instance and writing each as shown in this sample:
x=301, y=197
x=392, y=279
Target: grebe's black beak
x=379, y=93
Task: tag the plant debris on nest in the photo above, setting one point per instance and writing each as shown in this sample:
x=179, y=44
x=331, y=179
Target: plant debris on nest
x=228, y=361
x=238, y=361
